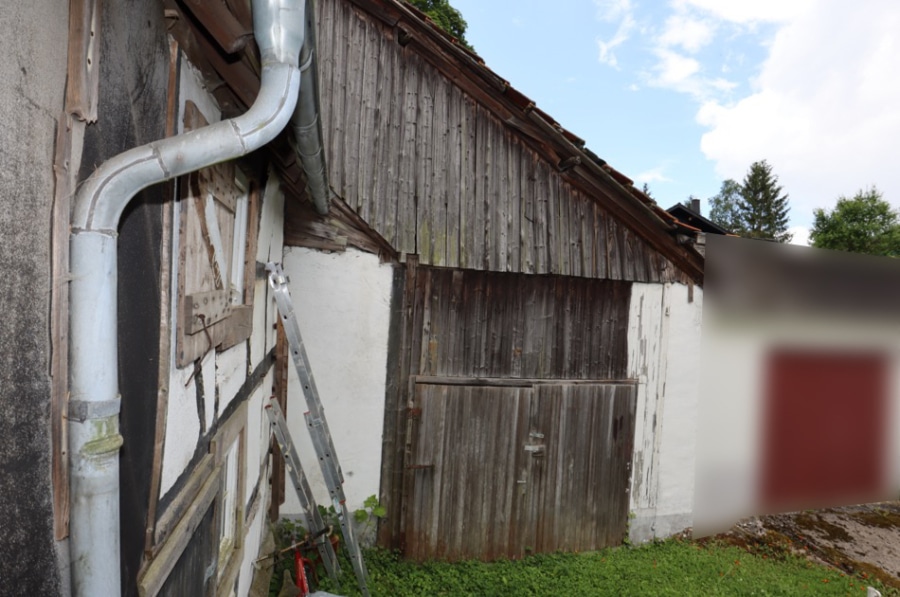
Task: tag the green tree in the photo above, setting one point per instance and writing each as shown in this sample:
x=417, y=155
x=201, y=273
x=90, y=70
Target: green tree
x=864, y=224
x=445, y=16
x=763, y=205
x=724, y=208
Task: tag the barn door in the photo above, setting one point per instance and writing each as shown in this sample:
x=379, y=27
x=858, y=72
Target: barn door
x=499, y=471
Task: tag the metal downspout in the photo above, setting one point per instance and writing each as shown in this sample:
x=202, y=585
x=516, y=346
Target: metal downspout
x=93, y=416
x=306, y=124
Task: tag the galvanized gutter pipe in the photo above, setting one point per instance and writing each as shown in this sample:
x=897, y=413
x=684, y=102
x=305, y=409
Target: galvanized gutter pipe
x=306, y=124
x=93, y=416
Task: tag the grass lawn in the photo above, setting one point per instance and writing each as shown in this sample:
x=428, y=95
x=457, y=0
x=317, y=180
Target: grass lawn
x=672, y=567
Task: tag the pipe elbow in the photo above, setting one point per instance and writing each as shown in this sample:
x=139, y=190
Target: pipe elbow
x=279, y=27
x=102, y=199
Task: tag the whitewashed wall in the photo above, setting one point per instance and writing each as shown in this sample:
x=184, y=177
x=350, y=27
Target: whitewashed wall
x=664, y=356
x=343, y=306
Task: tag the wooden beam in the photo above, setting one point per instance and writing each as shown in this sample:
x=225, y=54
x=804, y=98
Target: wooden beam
x=165, y=322
x=230, y=34
x=84, y=59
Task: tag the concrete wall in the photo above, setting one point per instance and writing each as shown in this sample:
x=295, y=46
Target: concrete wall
x=343, y=306
x=33, y=71
x=664, y=356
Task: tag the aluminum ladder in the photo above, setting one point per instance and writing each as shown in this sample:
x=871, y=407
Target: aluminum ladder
x=316, y=423
x=311, y=515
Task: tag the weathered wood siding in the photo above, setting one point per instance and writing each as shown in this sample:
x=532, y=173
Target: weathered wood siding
x=503, y=471
x=484, y=324
x=438, y=175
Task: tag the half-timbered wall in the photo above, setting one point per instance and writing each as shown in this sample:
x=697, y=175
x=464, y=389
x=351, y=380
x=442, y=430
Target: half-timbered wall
x=211, y=466
x=438, y=175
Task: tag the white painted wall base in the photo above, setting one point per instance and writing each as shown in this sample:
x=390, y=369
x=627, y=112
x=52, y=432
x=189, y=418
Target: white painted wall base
x=664, y=356
x=343, y=303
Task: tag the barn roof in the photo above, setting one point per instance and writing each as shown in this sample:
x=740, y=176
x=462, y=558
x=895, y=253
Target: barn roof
x=216, y=40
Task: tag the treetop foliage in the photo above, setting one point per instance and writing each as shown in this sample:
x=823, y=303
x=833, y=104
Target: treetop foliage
x=445, y=16
x=755, y=208
x=723, y=208
x=864, y=223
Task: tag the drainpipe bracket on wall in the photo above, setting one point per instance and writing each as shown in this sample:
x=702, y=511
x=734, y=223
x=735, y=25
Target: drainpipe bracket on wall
x=82, y=410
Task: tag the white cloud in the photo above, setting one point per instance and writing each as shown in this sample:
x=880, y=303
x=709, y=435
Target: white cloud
x=744, y=12
x=674, y=69
x=687, y=32
x=684, y=34
x=800, y=235
x=614, y=11
x=606, y=55
x=684, y=74
x=652, y=175
x=824, y=108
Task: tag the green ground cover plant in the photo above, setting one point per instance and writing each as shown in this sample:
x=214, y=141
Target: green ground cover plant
x=664, y=568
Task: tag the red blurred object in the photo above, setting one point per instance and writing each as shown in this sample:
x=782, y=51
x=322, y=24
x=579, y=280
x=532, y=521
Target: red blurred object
x=824, y=425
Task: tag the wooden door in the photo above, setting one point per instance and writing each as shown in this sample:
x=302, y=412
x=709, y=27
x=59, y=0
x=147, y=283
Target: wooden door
x=502, y=471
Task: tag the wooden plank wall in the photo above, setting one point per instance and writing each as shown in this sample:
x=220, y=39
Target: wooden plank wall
x=482, y=324
x=437, y=175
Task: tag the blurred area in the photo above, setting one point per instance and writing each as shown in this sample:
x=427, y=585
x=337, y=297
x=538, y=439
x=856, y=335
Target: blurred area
x=799, y=400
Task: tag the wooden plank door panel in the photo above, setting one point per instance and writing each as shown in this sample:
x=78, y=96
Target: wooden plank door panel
x=579, y=483
x=500, y=471
x=466, y=461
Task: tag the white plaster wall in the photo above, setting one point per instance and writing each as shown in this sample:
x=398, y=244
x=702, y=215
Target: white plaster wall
x=664, y=357
x=675, y=499
x=257, y=434
x=343, y=307
x=182, y=427
x=231, y=373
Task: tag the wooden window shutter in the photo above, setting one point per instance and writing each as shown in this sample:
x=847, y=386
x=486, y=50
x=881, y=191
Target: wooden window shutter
x=219, y=213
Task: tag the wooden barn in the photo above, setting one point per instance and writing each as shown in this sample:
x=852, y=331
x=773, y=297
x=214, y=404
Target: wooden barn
x=504, y=330
x=537, y=373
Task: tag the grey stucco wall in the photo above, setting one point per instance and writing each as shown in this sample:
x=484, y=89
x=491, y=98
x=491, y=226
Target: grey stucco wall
x=33, y=72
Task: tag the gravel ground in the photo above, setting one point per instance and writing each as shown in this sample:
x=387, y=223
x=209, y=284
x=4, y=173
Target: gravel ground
x=862, y=539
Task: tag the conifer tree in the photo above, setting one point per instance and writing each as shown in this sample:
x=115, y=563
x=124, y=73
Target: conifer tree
x=763, y=206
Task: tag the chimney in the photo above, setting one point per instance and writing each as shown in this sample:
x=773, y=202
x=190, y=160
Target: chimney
x=695, y=206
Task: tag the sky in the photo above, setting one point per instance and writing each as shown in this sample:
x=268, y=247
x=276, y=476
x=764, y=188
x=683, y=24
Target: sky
x=683, y=94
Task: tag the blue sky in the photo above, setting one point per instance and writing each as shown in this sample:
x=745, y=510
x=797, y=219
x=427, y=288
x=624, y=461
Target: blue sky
x=682, y=94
